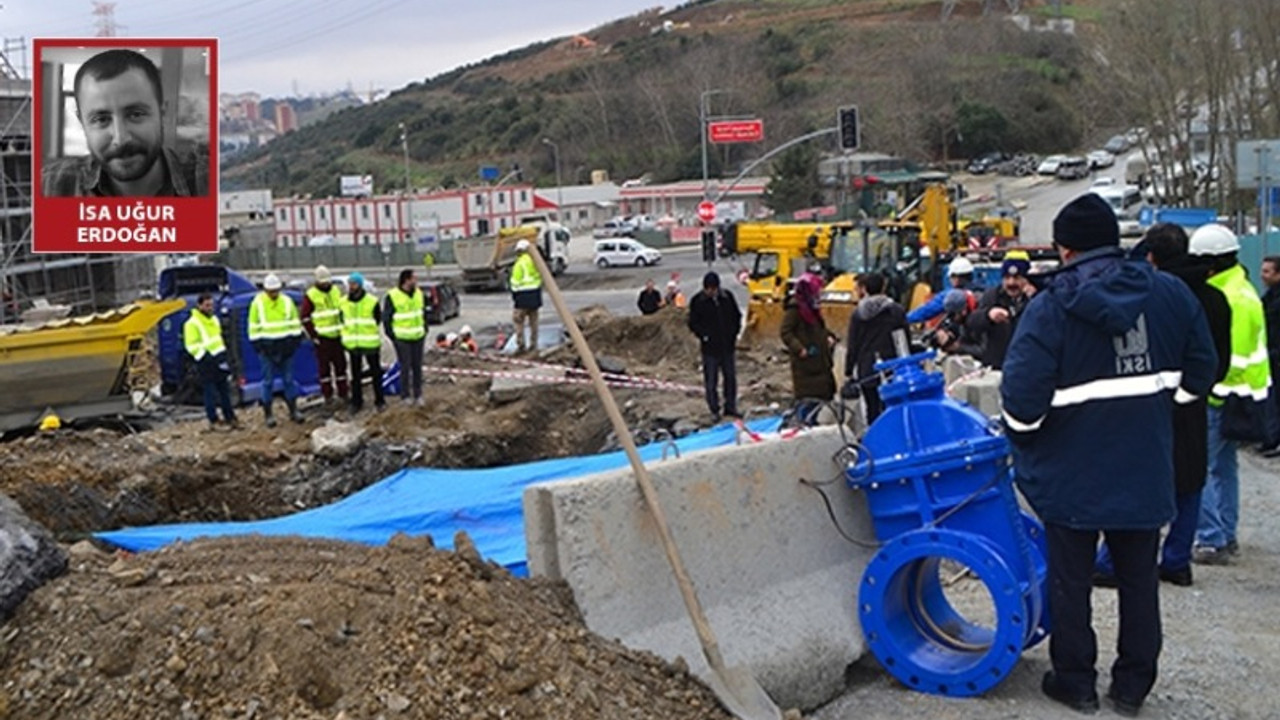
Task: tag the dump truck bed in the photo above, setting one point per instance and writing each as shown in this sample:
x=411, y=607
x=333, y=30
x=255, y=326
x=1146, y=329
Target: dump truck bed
x=75, y=367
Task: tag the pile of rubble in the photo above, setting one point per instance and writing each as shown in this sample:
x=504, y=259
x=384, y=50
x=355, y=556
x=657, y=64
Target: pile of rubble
x=292, y=628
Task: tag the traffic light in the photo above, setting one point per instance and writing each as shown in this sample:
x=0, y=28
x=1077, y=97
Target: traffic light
x=708, y=246
x=847, y=122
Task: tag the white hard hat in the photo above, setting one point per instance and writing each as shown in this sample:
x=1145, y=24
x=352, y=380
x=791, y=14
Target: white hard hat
x=322, y=274
x=1213, y=239
x=522, y=246
x=672, y=284
x=960, y=266
x=464, y=330
x=272, y=282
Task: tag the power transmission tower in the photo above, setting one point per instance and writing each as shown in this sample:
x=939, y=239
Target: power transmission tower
x=106, y=19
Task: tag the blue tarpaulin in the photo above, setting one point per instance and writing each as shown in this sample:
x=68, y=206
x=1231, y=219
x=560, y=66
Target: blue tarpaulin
x=483, y=502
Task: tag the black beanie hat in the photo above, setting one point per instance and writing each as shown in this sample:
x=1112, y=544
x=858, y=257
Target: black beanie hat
x=1086, y=223
x=710, y=280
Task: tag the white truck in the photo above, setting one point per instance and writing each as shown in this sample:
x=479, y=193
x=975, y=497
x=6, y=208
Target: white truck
x=486, y=261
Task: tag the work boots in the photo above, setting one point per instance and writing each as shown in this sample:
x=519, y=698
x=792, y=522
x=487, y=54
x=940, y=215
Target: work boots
x=294, y=414
x=270, y=418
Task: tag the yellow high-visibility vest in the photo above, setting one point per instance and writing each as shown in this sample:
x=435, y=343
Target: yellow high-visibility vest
x=202, y=335
x=273, y=319
x=524, y=274
x=408, y=322
x=326, y=315
x=359, y=329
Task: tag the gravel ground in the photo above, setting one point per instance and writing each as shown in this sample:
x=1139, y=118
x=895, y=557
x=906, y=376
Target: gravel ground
x=1221, y=647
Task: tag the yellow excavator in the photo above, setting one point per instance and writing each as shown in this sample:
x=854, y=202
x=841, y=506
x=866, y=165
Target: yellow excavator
x=781, y=252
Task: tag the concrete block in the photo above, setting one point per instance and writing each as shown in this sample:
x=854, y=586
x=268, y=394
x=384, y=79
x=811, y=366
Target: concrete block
x=29, y=556
x=982, y=392
x=776, y=578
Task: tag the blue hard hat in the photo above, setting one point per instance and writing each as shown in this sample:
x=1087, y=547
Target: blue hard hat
x=355, y=278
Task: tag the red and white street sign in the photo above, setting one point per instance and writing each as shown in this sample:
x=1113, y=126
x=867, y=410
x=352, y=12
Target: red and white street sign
x=706, y=211
x=736, y=131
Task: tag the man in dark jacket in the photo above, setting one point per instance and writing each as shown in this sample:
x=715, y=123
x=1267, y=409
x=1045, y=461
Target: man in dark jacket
x=1165, y=246
x=715, y=318
x=993, y=323
x=1271, y=310
x=1095, y=367
x=871, y=331
x=650, y=300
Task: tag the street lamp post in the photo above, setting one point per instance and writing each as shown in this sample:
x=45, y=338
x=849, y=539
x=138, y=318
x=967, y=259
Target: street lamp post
x=404, y=143
x=702, y=130
x=555, y=151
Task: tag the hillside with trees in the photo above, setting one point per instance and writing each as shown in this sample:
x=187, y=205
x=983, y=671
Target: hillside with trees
x=625, y=97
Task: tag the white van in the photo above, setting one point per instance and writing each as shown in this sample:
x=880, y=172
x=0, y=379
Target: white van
x=623, y=251
x=1126, y=201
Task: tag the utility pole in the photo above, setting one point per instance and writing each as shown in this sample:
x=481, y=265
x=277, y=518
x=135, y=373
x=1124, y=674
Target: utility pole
x=555, y=151
x=702, y=131
x=404, y=143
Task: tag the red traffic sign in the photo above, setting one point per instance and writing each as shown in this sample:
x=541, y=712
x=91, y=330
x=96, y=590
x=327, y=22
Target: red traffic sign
x=706, y=211
x=736, y=131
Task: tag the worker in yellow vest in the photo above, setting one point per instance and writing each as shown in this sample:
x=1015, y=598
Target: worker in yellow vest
x=404, y=318
x=275, y=331
x=526, y=295
x=360, y=319
x=202, y=337
x=322, y=321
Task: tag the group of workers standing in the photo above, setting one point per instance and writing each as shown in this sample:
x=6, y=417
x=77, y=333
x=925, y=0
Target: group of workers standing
x=345, y=326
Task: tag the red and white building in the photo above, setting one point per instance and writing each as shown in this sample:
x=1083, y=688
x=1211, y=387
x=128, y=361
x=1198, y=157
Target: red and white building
x=390, y=219
x=680, y=199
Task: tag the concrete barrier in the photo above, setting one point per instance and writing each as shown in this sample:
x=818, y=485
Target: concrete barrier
x=778, y=582
x=981, y=391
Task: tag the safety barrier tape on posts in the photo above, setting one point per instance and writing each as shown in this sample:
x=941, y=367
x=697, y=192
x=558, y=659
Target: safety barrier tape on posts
x=549, y=380
x=630, y=380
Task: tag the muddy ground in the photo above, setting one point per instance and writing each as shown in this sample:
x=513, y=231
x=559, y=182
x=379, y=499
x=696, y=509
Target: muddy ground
x=268, y=628
x=78, y=481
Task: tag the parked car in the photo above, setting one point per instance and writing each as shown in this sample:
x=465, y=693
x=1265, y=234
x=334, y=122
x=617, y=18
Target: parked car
x=1103, y=182
x=1049, y=166
x=442, y=300
x=985, y=163
x=642, y=222
x=621, y=251
x=1072, y=168
x=1101, y=159
x=1126, y=202
x=1117, y=144
x=617, y=227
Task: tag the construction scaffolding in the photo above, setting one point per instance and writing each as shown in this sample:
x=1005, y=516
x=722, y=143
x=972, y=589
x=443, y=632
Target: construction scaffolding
x=80, y=283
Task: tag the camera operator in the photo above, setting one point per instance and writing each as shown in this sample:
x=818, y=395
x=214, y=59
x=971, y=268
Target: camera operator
x=996, y=318
x=952, y=335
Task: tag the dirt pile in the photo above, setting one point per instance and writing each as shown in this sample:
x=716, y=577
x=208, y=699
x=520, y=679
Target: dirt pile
x=291, y=628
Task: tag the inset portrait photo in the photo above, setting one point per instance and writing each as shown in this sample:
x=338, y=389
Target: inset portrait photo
x=125, y=118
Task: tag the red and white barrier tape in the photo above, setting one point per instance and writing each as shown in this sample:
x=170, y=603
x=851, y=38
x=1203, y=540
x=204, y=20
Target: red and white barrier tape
x=551, y=379
x=966, y=378
x=628, y=380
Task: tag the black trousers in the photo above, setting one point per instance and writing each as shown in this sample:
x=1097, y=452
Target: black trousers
x=713, y=366
x=409, y=355
x=1073, y=647
x=358, y=359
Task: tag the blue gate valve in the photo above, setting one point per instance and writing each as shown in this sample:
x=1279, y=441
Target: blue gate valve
x=938, y=479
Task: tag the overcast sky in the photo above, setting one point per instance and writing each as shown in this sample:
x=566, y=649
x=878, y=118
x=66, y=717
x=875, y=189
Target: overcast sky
x=269, y=45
